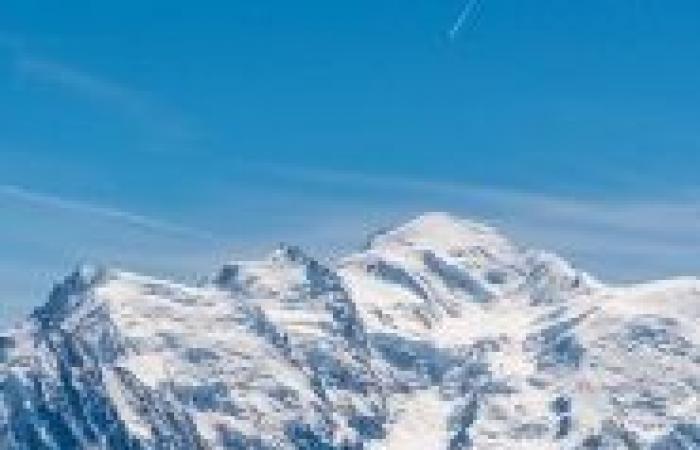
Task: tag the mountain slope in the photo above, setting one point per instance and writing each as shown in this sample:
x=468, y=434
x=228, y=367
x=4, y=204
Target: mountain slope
x=439, y=334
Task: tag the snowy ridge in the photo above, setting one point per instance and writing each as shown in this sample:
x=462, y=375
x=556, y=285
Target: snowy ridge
x=440, y=334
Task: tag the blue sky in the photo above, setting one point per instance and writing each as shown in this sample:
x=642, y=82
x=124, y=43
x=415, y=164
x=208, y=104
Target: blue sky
x=167, y=136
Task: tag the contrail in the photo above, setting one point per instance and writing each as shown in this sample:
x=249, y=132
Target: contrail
x=462, y=18
x=125, y=217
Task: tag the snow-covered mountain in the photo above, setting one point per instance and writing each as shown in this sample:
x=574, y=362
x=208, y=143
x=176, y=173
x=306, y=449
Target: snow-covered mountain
x=440, y=334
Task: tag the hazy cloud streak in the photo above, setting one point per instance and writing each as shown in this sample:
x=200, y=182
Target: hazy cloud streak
x=649, y=227
x=162, y=122
x=124, y=217
x=81, y=82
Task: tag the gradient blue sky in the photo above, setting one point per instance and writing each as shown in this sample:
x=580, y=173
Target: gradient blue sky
x=166, y=136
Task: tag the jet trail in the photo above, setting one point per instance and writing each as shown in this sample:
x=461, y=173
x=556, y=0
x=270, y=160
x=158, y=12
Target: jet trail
x=125, y=217
x=462, y=18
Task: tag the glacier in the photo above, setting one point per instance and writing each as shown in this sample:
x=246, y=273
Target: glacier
x=439, y=334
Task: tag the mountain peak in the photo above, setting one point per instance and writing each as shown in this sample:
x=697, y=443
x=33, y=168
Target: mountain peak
x=289, y=253
x=438, y=220
x=441, y=231
x=66, y=295
x=286, y=266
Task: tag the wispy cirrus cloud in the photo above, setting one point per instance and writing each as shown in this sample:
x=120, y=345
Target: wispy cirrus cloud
x=681, y=213
x=81, y=82
x=141, y=108
x=127, y=218
x=645, y=236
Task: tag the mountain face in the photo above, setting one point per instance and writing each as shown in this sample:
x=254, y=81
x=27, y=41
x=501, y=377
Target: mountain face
x=441, y=334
